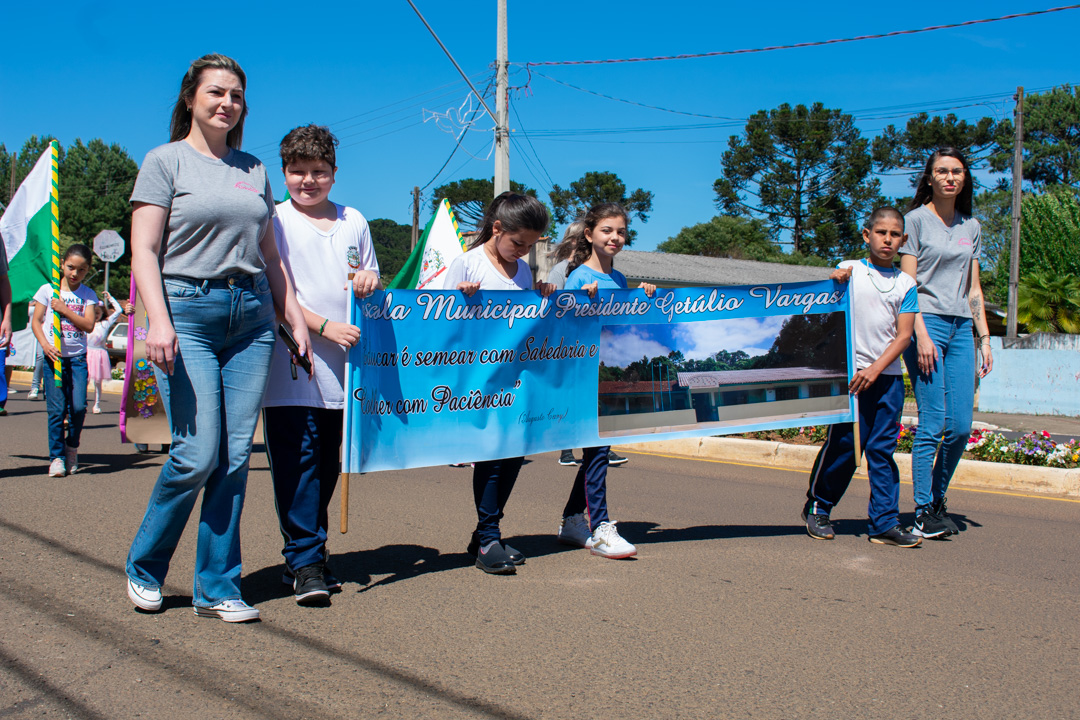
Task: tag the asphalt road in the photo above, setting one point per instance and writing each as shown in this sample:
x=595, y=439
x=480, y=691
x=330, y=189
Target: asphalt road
x=729, y=610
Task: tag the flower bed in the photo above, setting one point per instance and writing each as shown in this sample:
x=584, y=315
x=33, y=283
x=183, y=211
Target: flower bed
x=1035, y=448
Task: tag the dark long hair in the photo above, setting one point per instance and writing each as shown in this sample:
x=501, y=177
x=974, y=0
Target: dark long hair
x=924, y=192
x=592, y=218
x=514, y=213
x=181, y=114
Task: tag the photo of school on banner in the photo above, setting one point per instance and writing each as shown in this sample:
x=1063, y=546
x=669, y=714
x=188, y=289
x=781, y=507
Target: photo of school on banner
x=440, y=378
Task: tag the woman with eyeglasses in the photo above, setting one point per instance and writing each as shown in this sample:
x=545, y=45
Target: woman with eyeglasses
x=942, y=254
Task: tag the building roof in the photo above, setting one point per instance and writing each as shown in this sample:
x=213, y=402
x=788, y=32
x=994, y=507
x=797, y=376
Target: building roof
x=720, y=378
x=618, y=387
x=675, y=270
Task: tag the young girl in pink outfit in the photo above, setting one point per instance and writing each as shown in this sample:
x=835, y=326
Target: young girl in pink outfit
x=98, y=366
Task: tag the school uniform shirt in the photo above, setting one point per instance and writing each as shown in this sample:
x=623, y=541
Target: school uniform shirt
x=584, y=275
x=72, y=339
x=476, y=266
x=319, y=263
x=878, y=296
x=944, y=256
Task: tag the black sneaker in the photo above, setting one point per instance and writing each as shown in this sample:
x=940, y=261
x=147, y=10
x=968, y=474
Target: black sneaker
x=939, y=510
x=897, y=536
x=515, y=555
x=928, y=524
x=308, y=586
x=494, y=560
x=818, y=525
x=615, y=459
x=567, y=458
x=331, y=582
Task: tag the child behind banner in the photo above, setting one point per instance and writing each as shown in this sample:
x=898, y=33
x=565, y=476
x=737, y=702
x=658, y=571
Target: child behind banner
x=884, y=303
x=511, y=226
x=585, y=521
x=325, y=247
x=76, y=309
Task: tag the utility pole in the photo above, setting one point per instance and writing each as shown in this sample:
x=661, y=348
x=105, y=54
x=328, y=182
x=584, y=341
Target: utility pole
x=1014, y=252
x=502, y=117
x=415, y=217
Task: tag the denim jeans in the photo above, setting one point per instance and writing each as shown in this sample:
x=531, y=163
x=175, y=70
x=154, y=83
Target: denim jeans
x=945, y=398
x=304, y=447
x=589, y=492
x=39, y=367
x=493, y=481
x=225, y=331
x=879, y=413
x=69, y=399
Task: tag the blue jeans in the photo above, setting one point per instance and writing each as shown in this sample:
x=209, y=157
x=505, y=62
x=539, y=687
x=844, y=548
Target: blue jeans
x=879, y=415
x=945, y=398
x=589, y=493
x=39, y=367
x=304, y=446
x=68, y=399
x=225, y=331
x=493, y=481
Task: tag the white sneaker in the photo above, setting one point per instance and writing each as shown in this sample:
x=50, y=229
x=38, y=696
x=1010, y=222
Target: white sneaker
x=146, y=598
x=56, y=468
x=97, y=410
x=72, y=459
x=607, y=542
x=574, y=530
x=229, y=611
x=33, y=394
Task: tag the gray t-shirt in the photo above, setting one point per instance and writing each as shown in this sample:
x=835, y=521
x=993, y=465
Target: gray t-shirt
x=218, y=210
x=557, y=275
x=944, y=256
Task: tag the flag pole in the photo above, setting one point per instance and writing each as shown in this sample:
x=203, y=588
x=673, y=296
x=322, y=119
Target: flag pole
x=54, y=206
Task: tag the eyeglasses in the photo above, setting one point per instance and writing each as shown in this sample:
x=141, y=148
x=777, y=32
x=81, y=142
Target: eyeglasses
x=946, y=172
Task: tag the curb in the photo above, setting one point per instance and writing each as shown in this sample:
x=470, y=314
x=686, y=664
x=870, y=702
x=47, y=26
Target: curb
x=113, y=387
x=975, y=474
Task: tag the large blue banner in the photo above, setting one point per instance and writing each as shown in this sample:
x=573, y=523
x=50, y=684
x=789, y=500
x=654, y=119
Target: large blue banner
x=442, y=378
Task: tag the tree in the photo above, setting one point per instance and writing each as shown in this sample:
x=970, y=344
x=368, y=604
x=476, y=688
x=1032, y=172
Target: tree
x=909, y=149
x=1051, y=139
x=391, y=242
x=470, y=198
x=993, y=208
x=594, y=188
x=1047, y=302
x=1049, y=236
x=806, y=171
x=815, y=341
x=724, y=236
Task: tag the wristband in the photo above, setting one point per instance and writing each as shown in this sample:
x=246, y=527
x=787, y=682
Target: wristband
x=323, y=326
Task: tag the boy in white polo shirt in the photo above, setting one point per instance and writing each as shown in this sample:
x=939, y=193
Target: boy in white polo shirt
x=883, y=306
x=326, y=248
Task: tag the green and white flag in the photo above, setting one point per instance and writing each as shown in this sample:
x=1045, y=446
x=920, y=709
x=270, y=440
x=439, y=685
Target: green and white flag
x=438, y=246
x=26, y=228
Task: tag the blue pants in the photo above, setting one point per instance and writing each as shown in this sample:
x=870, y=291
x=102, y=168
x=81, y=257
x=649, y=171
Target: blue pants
x=879, y=412
x=225, y=330
x=69, y=399
x=493, y=481
x=303, y=444
x=945, y=398
x=589, y=493
x=3, y=376
x=39, y=367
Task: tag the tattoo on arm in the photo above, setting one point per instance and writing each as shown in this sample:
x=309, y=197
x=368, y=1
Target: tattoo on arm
x=976, y=303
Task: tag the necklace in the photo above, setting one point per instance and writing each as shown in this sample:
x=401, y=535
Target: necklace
x=895, y=277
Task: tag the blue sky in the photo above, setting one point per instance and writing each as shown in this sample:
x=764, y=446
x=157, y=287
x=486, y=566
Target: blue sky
x=369, y=70
x=621, y=345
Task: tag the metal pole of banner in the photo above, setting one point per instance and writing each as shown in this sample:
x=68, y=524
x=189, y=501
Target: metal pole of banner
x=858, y=441
x=347, y=429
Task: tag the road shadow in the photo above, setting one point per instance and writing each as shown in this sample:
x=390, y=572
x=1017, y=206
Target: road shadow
x=90, y=464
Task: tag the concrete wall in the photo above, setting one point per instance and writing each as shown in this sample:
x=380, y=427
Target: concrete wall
x=1032, y=381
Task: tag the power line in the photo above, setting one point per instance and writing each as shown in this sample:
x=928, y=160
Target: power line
x=521, y=126
x=817, y=43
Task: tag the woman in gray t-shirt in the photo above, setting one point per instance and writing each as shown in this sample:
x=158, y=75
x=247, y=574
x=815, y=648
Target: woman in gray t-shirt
x=207, y=268
x=942, y=254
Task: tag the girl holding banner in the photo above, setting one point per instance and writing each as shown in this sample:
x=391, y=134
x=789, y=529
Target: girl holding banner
x=585, y=521
x=942, y=254
x=203, y=210
x=512, y=225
